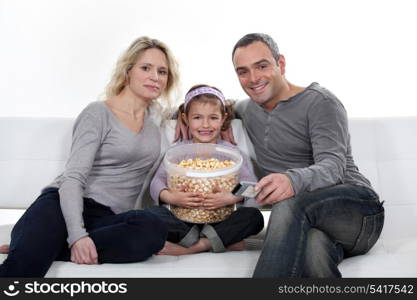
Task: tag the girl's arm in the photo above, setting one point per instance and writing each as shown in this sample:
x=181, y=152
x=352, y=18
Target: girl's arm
x=247, y=173
x=159, y=183
x=220, y=198
x=160, y=192
x=181, y=198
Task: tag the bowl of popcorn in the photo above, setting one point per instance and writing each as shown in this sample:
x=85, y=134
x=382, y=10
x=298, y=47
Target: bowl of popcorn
x=200, y=168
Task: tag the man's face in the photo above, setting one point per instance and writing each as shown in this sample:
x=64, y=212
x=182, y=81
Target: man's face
x=259, y=74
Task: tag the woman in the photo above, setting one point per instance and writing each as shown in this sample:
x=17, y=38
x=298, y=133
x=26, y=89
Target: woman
x=86, y=214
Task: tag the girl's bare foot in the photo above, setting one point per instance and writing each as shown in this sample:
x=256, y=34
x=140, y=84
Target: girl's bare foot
x=239, y=246
x=173, y=249
x=202, y=245
x=4, y=249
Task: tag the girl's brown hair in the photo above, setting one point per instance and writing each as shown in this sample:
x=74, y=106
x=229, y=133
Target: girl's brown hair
x=226, y=109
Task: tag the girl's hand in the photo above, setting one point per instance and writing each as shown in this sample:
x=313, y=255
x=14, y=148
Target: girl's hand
x=4, y=249
x=84, y=251
x=182, y=198
x=220, y=198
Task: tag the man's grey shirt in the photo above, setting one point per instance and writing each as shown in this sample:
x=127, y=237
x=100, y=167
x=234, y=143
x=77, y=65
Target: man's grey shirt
x=305, y=137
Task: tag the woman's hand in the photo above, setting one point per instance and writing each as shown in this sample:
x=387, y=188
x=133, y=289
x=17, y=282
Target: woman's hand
x=181, y=131
x=181, y=198
x=220, y=198
x=84, y=251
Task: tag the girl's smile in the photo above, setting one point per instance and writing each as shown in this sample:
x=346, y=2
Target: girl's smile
x=205, y=121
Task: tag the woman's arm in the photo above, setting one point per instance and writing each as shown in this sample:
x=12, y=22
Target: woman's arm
x=86, y=141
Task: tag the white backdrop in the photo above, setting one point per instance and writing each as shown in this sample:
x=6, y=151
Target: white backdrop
x=57, y=55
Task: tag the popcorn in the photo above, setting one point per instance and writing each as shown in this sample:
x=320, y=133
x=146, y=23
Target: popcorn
x=205, y=164
x=204, y=186
x=201, y=215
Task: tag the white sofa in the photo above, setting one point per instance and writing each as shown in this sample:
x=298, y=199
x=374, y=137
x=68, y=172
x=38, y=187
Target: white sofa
x=33, y=151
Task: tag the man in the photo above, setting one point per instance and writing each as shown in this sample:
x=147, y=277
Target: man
x=323, y=208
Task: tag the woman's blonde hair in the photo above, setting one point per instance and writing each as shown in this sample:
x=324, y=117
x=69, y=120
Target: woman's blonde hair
x=128, y=59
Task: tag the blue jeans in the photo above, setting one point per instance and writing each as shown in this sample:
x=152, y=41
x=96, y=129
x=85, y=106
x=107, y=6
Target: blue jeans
x=310, y=234
x=39, y=237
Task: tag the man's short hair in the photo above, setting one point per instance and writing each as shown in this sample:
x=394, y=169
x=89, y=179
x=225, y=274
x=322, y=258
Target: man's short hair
x=258, y=37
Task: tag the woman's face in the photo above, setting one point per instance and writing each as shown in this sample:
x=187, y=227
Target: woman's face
x=149, y=76
x=205, y=121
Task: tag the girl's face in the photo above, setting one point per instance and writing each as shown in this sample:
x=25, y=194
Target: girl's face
x=205, y=121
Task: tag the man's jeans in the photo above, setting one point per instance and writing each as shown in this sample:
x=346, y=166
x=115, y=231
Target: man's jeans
x=39, y=237
x=310, y=234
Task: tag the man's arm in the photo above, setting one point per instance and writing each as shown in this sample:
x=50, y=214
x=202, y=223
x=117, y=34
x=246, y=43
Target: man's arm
x=328, y=130
x=240, y=108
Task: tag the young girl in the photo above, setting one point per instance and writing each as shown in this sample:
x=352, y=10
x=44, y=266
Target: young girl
x=206, y=113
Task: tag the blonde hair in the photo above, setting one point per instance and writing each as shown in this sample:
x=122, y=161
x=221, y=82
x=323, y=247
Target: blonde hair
x=128, y=59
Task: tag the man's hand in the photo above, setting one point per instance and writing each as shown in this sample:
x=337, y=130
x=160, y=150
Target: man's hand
x=220, y=198
x=84, y=251
x=227, y=135
x=274, y=188
x=182, y=198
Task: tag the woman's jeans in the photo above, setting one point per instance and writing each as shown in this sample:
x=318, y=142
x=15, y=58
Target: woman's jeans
x=39, y=237
x=309, y=235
